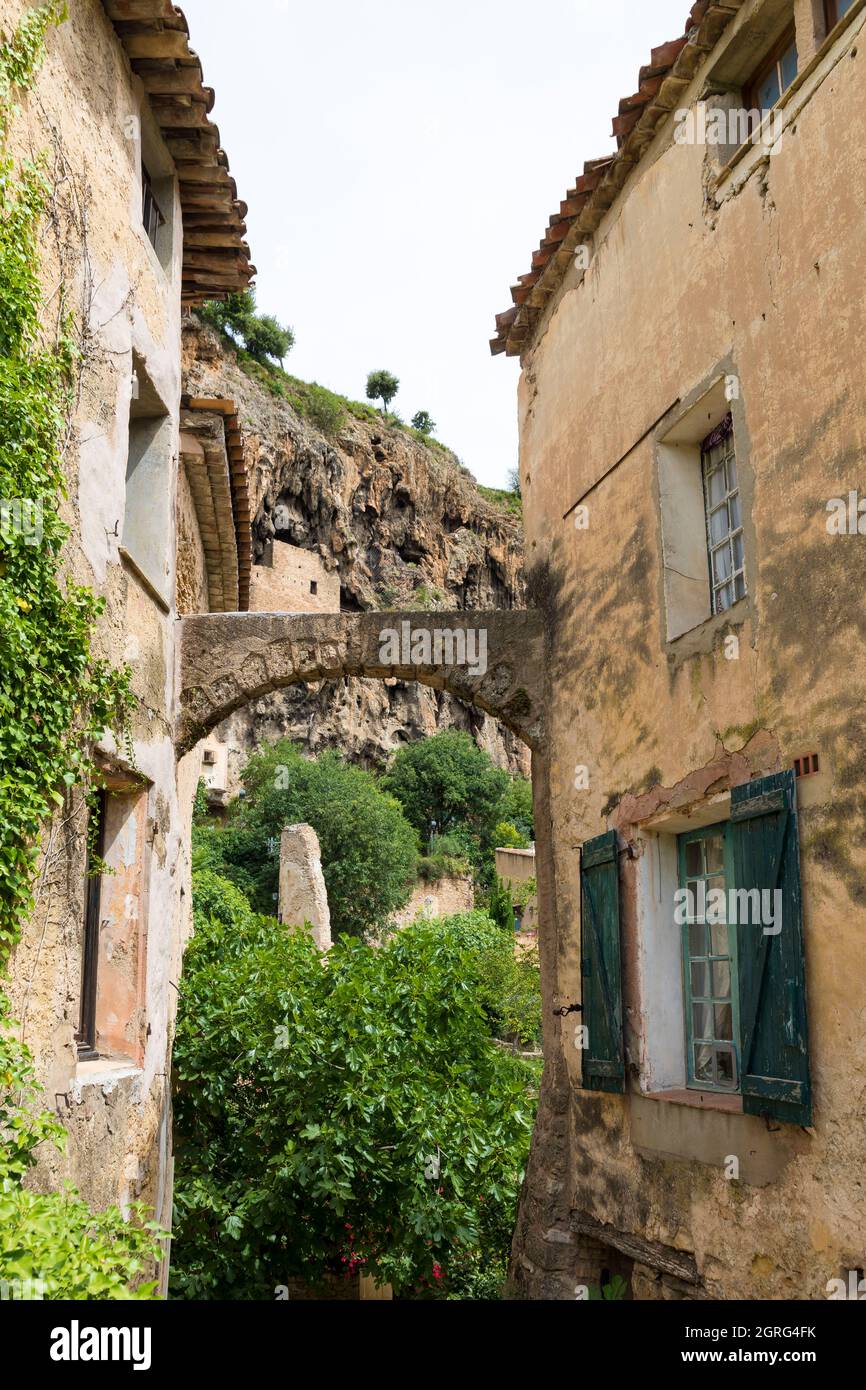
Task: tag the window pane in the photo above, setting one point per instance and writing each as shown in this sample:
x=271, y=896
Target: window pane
x=697, y=940
x=718, y=941
x=723, y=1023
x=694, y=864
x=732, y=473
x=736, y=515
x=768, y=92
x=694, y=906
x=703, y=1063
x=700, y=979
x=726, y=1068
x=716, y=488
x=724, y=599
x=719, y=526
x=844, y=7
x=721, y=979
x=740, y=586
x=722, y=563
x=702, y=1020
x=789, y=67
x=715, y=856
x=739, y=553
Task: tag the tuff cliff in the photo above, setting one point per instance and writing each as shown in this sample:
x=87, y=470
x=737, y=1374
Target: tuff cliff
x=401, y=522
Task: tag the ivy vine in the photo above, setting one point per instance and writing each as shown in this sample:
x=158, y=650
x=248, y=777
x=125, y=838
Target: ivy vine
x=56, y=700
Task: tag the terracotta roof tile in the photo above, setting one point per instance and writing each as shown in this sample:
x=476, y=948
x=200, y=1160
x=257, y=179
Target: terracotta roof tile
x=155, y=36
x=671, y=67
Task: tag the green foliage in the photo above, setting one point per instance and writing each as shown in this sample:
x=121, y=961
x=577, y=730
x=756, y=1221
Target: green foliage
x=499, y=904
x=54, y=1240
x=341, y=1110
x=505, y=500
x=516, y=807
x=49, y=683
x=507, y=836
x=324, y=409
x=448, y=780
x=55, y=701
x=237, y=318
x=382, y=386
x=368, y=848
x=423, y=422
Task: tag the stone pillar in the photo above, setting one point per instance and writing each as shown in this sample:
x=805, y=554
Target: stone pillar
x=303, y=897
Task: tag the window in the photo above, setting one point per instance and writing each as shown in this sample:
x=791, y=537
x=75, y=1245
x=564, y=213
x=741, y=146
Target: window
x=314, y=586
x=709, y=961
x=834, y=10
x=148, y=535
x=774, y=76
x=725, y=542
x=85, y=1036
x=111, y=1021
x=151, y=214
x=717, y=1005
x=209, y=757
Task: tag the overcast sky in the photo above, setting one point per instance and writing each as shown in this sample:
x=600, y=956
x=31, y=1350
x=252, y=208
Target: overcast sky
x=400, y=159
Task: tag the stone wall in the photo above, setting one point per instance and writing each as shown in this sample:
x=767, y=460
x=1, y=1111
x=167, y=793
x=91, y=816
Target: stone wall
x=295, y=581
x=444, y=898
x=698, y=275
x=126, y=302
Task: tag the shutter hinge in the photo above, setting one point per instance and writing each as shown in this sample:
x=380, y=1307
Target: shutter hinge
x=568, y=1009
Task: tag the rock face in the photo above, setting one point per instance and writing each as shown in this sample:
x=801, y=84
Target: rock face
x=403, y=526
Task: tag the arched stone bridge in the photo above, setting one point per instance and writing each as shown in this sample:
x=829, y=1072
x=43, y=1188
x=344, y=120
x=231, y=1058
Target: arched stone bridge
x=495, y=660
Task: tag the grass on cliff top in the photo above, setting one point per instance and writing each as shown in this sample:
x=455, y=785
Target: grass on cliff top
x=327, y=411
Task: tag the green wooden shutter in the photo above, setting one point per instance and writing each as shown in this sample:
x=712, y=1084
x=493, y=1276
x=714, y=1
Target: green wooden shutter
x=603, y=1057
x=772, y=974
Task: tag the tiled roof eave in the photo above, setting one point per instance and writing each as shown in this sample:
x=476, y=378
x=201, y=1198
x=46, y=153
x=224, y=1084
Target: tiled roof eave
x=661, y=84
x=155, y=37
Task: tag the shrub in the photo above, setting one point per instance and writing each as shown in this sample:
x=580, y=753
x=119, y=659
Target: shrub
x=340, y=1111
x=369, y=849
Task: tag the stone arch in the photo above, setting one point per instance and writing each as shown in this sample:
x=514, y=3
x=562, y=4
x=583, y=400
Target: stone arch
x=493, y=660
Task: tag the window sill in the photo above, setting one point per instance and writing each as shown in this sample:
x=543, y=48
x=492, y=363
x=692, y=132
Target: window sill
x=699, y=1100
x=725, y=182
x=104, y=1072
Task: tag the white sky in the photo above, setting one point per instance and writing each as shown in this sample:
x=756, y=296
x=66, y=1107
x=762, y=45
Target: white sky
x=400, y=160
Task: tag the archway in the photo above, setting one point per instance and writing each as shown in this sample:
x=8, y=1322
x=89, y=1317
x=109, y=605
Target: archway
x=494, y=660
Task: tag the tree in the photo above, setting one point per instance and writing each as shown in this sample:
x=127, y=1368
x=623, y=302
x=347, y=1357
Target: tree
x=382, y=386
x=343, y=1111
x=516, y=807
x=266, y=338
x=369, y=850
x=514, y=481
x=448, y=780
x=237, y=317
x=423, y=422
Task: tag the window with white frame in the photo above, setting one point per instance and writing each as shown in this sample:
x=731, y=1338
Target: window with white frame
x=725, y=542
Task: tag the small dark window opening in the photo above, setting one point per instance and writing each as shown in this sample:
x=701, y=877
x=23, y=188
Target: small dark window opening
x=151, y=214
x=314, y=586
x=807, y=766
x=209, y=757
x=86, y=1035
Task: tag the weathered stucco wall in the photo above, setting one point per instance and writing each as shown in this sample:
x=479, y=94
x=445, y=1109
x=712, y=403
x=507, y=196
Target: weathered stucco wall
x=689, y=282
x=88, y=112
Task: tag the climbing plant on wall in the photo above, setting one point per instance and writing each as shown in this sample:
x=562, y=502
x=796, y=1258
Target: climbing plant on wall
x=56, y=697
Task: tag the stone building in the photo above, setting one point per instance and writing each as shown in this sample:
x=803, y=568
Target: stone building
x=149, y=222
x=692, y=334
